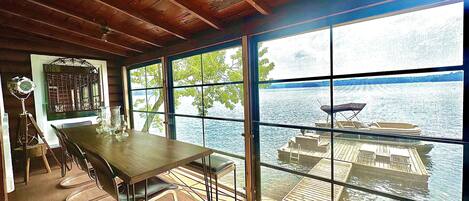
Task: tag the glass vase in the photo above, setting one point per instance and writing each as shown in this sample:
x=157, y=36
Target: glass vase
x=115, y=119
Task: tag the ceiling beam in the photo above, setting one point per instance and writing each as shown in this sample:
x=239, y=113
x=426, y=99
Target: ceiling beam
x=118, y=29
x=260, y=6
x=13, y=20
x=137, y=15
x=24, y=12
x=198, y=12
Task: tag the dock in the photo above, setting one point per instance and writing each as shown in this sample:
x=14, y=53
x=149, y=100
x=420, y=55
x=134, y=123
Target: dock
x=312, y=189
x=400, y=162
x=348, y=151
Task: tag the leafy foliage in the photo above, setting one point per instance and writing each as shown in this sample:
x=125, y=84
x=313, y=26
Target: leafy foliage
x=212, y=67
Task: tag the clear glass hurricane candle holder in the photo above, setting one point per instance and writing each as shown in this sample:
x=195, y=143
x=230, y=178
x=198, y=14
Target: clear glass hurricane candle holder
x=115, y=121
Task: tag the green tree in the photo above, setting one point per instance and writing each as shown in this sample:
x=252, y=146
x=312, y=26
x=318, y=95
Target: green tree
x=212, y=67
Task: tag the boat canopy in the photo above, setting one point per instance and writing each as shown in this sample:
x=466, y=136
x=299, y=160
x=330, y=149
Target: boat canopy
x=355, y=107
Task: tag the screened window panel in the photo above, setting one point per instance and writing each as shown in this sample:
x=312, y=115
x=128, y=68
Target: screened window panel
x=303, y=55
x=188, y=100
x=222, y=66
x=296, y=103
x=139, y=100
x=189, y=130
x=139, y=119
x=137, y=78
x=224, y=101
x=421, y=39
x=157, y=124
x=187, y=71
x=155, y=100
x=154, y=74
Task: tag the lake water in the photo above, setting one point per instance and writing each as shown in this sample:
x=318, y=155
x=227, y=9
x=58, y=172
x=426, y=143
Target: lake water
x=435, y=107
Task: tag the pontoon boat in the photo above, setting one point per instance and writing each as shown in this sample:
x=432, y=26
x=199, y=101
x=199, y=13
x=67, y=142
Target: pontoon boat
x=352, y=123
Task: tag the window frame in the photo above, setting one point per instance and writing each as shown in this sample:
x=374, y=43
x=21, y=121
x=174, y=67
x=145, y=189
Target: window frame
x=336, y=22
x=171, y=88
x=130, y=90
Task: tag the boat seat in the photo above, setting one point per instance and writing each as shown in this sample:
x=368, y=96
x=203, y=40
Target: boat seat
x=400, y=159
x=367, y=154
x=359, y=124
x=382, y=154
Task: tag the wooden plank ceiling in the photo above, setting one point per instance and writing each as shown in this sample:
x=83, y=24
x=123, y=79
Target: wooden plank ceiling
x=125, y=28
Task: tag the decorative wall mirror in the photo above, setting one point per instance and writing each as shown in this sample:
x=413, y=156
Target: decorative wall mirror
x=73, y=88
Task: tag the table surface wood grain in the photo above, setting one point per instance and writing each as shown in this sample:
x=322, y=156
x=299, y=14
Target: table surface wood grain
x=140, y=155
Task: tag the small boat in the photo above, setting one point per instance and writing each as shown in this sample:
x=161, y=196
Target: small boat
x=351, y=122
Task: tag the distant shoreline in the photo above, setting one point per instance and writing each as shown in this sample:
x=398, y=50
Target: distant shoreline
x=448, y=77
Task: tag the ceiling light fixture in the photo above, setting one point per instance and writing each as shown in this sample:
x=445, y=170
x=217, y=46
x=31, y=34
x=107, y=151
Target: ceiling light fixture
x=105, y=31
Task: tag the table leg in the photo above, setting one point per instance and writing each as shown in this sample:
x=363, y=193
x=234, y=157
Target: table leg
x=146, y=184
x=204, y=164
x=216, y=188
x=210, y=175
x=133, y=192
x=128, y=190
x=235, y=187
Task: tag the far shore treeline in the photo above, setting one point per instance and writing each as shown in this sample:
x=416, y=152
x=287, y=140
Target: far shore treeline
x=453, y=76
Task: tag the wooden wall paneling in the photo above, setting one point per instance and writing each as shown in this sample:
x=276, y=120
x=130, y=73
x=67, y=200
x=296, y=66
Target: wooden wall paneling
x=3, y=185
x=14, y=66
x=9, y=70
x=12, y=55
x=115, y=84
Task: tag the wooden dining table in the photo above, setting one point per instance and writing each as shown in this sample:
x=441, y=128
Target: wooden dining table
x=140, y=155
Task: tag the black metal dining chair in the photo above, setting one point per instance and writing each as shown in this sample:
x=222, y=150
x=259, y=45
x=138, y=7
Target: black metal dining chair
x=76, y=124
x=65, y=157
x=79, y=157
x=218, y=167
x=152, y=188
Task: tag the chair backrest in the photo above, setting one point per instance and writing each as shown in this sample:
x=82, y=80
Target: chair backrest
x=104, y=174
x=78, y=155
x=60, y=136
x=76, y=124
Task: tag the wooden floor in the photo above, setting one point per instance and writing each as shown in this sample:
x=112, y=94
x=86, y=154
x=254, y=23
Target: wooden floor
x=45, y=187
x=312, y=189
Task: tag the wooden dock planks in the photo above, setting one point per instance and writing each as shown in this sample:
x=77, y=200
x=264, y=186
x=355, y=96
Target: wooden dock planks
x=312, y=189
x=347, y=150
